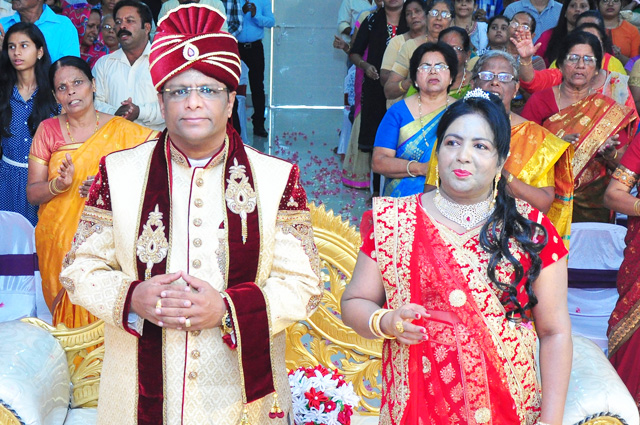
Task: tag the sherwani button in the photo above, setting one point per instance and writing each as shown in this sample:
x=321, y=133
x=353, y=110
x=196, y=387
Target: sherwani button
x=195, y=354
x=193, y=375
x=196, y=264
x=197, y=222
x=197, y=242
x=198, y=203
x=195, y=333
x=199, y=182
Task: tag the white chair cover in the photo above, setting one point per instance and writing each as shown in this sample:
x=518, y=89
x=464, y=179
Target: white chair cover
x=596, y=247
x=17, y=292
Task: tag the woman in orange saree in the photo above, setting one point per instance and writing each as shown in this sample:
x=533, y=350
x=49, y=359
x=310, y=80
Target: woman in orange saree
x=462, y=271
x=624, y=339
x=61, y=170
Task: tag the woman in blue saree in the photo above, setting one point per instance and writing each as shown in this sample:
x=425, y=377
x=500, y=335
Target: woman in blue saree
x=407, y=134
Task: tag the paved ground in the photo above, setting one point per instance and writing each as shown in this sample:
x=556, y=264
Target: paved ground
x=308, y=137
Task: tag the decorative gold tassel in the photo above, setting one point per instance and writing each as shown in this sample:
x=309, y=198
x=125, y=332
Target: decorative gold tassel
x=276, y=411
x=245, y=417
x=437, y=181
x=495, y=191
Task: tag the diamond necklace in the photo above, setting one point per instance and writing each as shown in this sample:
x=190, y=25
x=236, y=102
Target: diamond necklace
x=467, y=216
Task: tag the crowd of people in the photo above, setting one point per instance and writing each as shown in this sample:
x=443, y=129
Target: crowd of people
x=566, y=76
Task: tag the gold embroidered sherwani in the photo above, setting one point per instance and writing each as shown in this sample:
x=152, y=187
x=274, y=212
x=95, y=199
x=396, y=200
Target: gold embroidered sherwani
x=202, y=376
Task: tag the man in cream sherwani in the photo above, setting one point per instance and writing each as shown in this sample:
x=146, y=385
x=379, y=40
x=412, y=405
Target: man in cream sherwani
x=195, y=250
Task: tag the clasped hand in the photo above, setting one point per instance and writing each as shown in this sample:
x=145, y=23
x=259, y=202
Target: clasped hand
x=171, y=305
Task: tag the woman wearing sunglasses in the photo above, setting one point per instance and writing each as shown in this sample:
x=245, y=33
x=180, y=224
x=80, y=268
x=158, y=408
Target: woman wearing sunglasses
x=597, y=126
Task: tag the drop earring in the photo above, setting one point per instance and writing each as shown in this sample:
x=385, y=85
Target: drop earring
x=495, y=191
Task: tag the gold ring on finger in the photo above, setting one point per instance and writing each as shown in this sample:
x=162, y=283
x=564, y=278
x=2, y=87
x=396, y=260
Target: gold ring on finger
x=400, y=326
x=159, y=303
x=187, y=323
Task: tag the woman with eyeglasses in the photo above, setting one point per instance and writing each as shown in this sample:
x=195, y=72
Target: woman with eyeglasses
x=597, y=126
x=457, y=38
x=551, y=39
x=108, y=33
x=440, y=13
x=406, y=136
x=625, y=36
x=63, y=161
x=538, y=169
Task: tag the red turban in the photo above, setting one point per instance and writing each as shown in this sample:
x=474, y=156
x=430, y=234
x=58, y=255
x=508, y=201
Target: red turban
x=190, y=37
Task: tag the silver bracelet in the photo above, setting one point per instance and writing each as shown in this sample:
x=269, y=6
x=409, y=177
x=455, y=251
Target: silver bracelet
x=408, y=170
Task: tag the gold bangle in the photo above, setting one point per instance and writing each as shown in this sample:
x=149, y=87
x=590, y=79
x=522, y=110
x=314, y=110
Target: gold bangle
x=53, y=187
x=374, y=323
x=528, y=63
x=636, y=207
x=408, y=170
x=402, y=88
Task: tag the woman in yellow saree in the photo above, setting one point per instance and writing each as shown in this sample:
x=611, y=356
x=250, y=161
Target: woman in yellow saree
x=539, y=165
x=61, y=168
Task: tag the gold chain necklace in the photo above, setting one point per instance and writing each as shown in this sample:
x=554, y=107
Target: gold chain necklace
x=94, y=131
x=424, y=131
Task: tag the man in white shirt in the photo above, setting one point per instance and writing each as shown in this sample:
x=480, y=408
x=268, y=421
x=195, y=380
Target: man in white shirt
x=123, y=81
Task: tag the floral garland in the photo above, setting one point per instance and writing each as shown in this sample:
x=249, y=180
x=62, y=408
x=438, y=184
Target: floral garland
x=321, y=397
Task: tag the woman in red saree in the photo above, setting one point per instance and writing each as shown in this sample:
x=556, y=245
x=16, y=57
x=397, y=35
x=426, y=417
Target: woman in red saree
x=624, y=341
x=461, y=272
x=596, y=126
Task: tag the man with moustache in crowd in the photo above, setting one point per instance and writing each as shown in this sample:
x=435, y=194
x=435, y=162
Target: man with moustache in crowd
x=123, y=81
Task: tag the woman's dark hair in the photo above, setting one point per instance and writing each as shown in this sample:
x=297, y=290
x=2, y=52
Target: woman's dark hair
x=44, y=103
x=497, y=18
x=505, y=223
x=560, y=31
x=143, y=10
x=444, y=49
x=580, y=37
x=422, y=4
x=605, y=39
x=73, y=61
x=449, y=4
x=466, y=41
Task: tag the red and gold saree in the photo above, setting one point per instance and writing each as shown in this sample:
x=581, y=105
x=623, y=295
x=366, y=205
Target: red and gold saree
x=624, y=341
x=477, y=367
x=595, y=118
